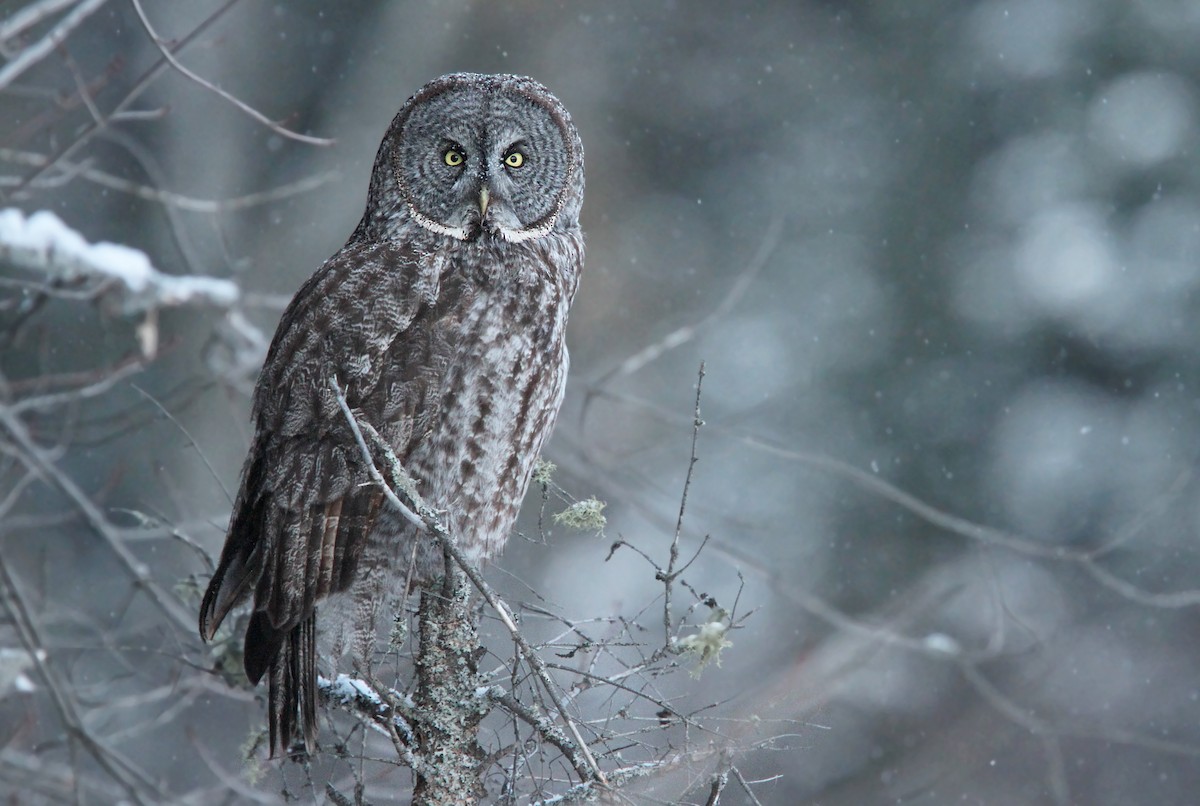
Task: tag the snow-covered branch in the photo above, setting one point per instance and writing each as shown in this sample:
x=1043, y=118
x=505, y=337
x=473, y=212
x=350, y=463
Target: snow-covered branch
x=41, y=242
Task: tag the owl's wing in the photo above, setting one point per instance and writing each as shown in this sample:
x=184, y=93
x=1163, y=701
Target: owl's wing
x=306, y=504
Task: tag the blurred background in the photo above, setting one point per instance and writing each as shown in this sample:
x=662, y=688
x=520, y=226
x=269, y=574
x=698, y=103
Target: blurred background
x=941, y=261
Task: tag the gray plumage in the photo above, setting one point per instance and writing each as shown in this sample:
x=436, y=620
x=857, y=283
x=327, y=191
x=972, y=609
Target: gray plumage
x=443, y=319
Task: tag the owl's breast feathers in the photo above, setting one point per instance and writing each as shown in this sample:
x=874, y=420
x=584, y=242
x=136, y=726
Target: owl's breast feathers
x=503, y=385
x=456, y=356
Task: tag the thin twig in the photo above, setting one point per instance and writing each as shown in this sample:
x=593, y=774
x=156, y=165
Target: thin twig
x=37, y=460
x=543, y=726
x=165, y=197
x=1086, y=557
x=212, y=471
x=1027, y=719
x=668, y=577
x=241, y=105
x=58, y=782
x=81, y=86
x=134, y=781
x=109, y=379
x=139, y=86
x=681, y=336
x=614, y=681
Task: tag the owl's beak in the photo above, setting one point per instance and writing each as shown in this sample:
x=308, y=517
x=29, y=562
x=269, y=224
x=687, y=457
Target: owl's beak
x=483, y=202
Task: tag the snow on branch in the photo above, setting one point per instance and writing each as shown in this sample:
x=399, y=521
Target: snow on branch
x=42, y=243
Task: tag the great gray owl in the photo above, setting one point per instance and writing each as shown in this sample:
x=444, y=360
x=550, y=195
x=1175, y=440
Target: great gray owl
x=443, y=320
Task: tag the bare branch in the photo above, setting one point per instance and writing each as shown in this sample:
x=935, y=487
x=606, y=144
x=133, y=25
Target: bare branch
x=241, y=105
x=139, y=86
x=718, y=785
x=25, y=18
x=60, y=783
x=39, y=461
x=745, y=786
x=1027, y=719
x=104, y=383
x=668, y=577
x=180, y=201
x=122, y=770
x=34, y=53
x=681, y=336
x=1085, y=557
x=543, y=726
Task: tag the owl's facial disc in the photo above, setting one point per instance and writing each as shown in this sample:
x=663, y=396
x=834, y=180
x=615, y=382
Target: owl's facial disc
x=483, y=162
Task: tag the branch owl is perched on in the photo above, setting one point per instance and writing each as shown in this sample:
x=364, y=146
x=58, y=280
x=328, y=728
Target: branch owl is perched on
x=443, y=320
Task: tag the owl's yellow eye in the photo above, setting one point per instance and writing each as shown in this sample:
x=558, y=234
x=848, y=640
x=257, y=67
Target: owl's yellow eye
x=453, y=157
x=515, y=159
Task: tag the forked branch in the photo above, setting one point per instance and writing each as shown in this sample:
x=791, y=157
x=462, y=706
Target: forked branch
x=426, y=518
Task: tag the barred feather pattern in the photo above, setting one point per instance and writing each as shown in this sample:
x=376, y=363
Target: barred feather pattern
x=449, y=338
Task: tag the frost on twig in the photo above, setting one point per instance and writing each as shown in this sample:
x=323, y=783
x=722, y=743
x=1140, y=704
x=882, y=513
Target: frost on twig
x=127, y=281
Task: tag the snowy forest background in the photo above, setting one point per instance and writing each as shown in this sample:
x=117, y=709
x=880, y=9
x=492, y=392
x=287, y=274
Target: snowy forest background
x=941, y=261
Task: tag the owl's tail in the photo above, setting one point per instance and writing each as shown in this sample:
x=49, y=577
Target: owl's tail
x=292, y=681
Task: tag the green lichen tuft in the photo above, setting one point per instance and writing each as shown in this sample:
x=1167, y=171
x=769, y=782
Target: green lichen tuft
x=586, y=515
x=543, y=472
x=707, y=643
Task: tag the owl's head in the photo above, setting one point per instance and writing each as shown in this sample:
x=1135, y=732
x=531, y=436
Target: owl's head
x=474, y=155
